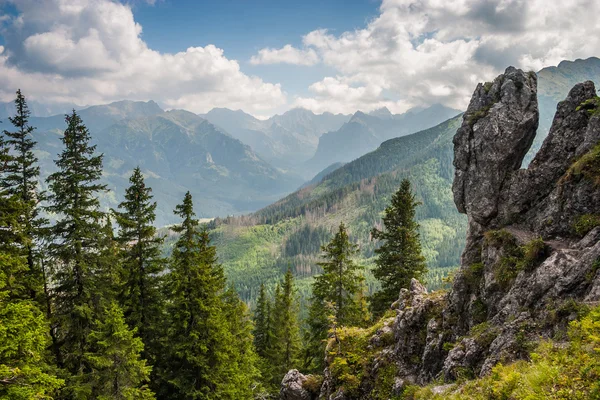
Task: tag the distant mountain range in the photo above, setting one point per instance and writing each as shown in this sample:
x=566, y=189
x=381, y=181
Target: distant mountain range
x=306, y=142
x=285, y=140
x=365, y=132
x=177, y=151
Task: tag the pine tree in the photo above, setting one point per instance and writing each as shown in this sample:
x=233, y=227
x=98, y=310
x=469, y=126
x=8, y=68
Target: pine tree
x=117, y=370
x=243, y=360
x=76, y=245
x=262, y=325
x=399, y=258
x=197, y=334
x=338, y=286
x=286, y=330
x=24, y=373
x=19, y=178
x=142, y=264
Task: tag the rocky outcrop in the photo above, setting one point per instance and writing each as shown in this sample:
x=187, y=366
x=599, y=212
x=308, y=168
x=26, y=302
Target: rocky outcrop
x=292, y=386
x=532, y=258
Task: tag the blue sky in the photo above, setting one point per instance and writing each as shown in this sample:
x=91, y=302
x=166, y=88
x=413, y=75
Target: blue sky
x=268, y=56
x=243, y=27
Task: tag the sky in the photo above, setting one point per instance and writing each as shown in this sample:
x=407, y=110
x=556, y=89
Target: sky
x=268, y=56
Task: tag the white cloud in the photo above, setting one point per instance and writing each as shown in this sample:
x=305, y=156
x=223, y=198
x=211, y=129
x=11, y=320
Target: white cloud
x=91, y=52
x=286, y=55
x=435, y=51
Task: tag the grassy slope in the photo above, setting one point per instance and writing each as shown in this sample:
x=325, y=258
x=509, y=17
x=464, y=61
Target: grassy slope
x=259, y=248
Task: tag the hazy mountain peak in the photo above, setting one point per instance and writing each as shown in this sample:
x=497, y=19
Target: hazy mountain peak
x=382, y=112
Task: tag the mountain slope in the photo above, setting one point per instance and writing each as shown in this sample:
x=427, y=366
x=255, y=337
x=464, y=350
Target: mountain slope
x=177, y=151
x=365, y=132
x=258, y=248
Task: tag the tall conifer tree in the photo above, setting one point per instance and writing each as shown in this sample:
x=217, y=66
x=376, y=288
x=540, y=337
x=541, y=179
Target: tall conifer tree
x=399, y=258
x=286, y=331
x=142, y=264
x=198, y=331
x=19, y=178
x=76, y=245
x=262, y=323
x=334, y=292
x=243, y=360
x=24, y=372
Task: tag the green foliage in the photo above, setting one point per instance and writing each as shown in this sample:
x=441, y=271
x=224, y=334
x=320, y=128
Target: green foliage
x=477, y=115
x=484, y=334
x=473, y=274
x=24, y=373
x=19, y=179
x=555, y=371
x=399, y=257
x=534, y=252
x=141, y=264
x=515, y=258
x=117, y=370
x=286, y=343
x=350, y=356
x=585, y=223
x=591, y=106
x=251, y=248
x=313, y=384
x=277, y=332
x=208, y=335
x=76, y=245
x=586, y=166
x=335, y=292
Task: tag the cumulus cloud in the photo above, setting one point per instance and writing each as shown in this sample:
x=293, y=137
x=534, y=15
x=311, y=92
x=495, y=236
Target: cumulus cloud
x=91, y=51
x=286, y=55
x=435, y=51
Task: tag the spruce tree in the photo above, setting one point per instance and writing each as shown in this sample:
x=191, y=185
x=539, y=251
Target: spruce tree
x=24, y=372
x=197, y=334
x=77, y=243
x=286, y=330
x=117, y=370
x=142, y=264
x=399, y=258
x=262, y=325
x=242, y=359
x=338, y=286
x=19, y=178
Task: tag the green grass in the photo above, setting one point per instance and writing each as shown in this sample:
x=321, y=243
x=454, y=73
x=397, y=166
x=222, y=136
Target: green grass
x=586, y=166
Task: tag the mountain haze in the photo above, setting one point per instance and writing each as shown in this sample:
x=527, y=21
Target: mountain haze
x=285, y=140
x=177, y=151
x=365, y=132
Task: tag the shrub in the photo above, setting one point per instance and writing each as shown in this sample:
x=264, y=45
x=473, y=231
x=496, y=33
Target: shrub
x=515, y=258
x=313, y=384
x=473, y=274
x=535, y=252
x=585, y=223
x=587, y=166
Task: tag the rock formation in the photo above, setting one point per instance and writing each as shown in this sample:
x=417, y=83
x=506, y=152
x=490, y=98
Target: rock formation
x=532, y=257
